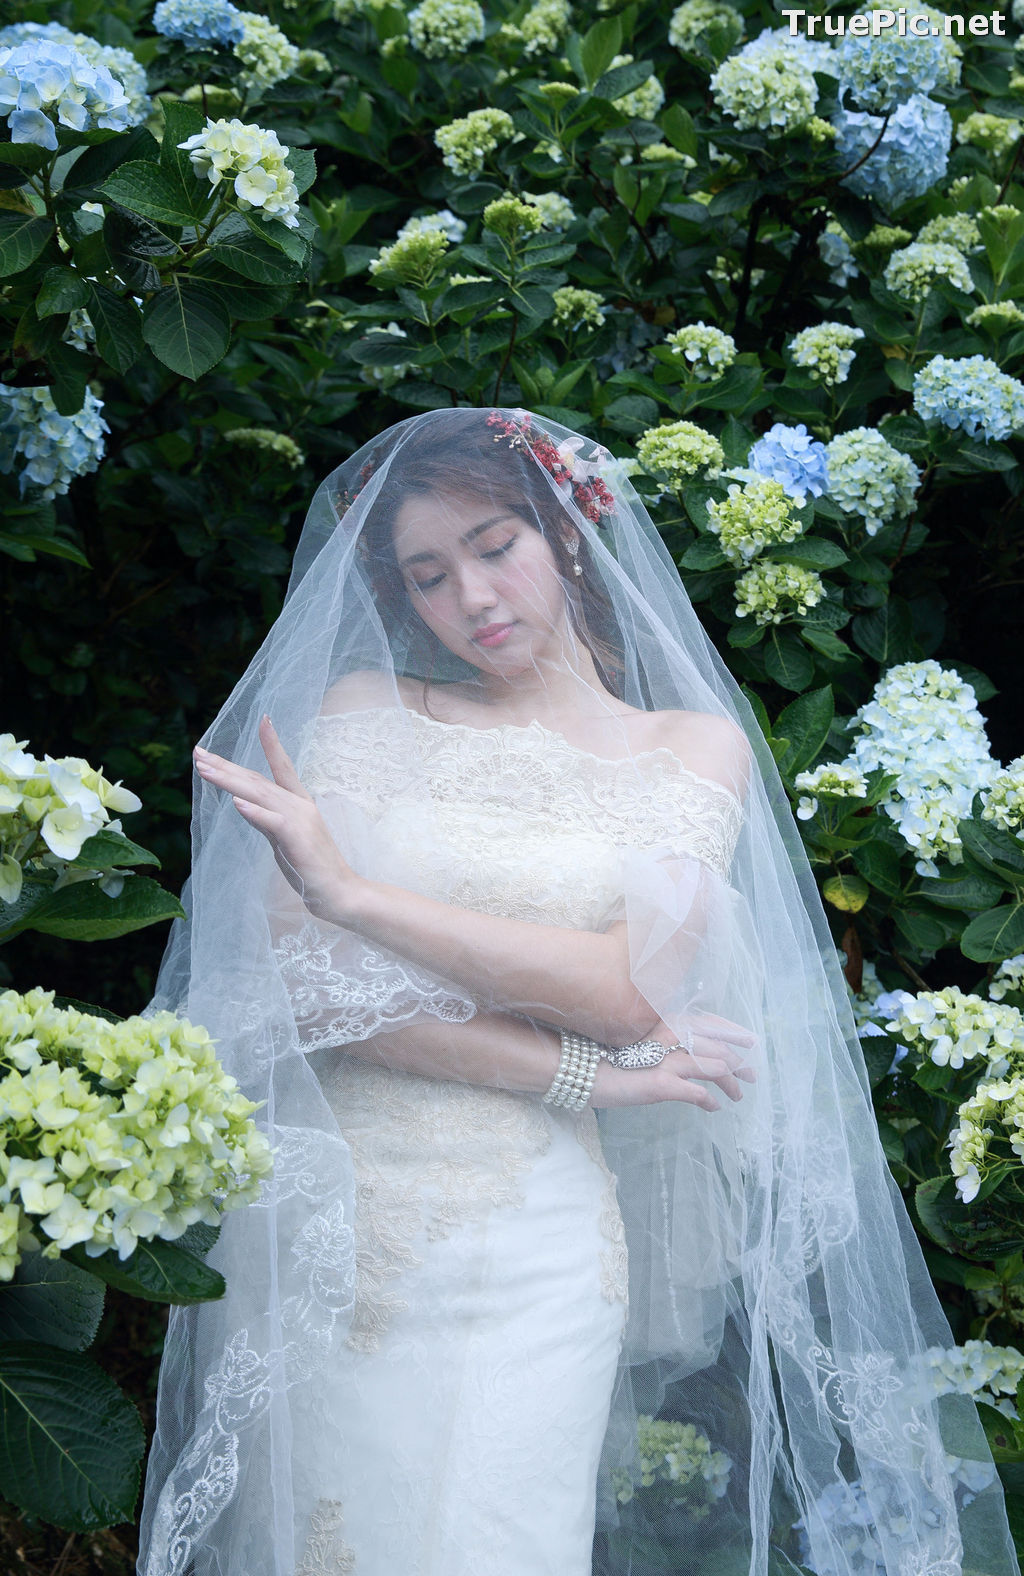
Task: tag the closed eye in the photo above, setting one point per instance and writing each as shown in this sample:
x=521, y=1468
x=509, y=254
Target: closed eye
x=496, y=552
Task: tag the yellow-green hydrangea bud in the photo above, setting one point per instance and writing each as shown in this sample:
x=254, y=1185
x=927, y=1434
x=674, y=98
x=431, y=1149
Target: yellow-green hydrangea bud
x=267, y=441
x=511, y=217
x=559, y=94
x=996, y=317
x=993, y=133
x=677, y=450
x=575, y=308
x=414, y=258
x=774, y=592
x=761, y=514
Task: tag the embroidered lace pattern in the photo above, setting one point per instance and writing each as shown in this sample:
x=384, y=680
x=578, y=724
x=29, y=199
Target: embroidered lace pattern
x=649, y=800
x=614, y=1259
x=430, y=1156
x=326, y=1552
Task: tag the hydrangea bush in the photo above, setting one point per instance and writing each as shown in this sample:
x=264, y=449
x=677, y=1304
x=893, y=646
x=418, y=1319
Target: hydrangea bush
x=780, y=278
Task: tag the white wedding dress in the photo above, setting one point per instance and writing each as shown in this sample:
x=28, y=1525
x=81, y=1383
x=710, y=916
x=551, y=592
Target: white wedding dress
x=459, y=1433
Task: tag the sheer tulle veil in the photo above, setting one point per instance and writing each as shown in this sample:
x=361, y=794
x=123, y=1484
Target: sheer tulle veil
x=778, y=1300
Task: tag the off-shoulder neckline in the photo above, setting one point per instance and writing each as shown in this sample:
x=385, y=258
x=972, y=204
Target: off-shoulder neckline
x=662, y=752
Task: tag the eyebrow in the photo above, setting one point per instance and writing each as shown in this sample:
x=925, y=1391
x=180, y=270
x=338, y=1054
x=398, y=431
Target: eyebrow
x=428, y=557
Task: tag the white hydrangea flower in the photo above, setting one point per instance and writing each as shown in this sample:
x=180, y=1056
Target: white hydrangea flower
x=1004, y=798
x=253, y=161
x=439, y=28
x=833, y=780
x=826, y=350
x=48, y=809
x=677, y=1456
x=770, y=89
x=49, y=449
x=677, y=450
x=950, y=1027
x=923, y=726
x=707, y=351
x=444, y=221
x=1009, y=976
x=869, y=479
x=542, y=29
x=992, y=1115
x=267, y=54
x=974, y=1368
x=556, y=212
x=758, y=515
x=914, y=270
x=467, y=142
x=691, y=21
x=953, y=229
x=993, y=133
x=774, y=592
x=118, y=1132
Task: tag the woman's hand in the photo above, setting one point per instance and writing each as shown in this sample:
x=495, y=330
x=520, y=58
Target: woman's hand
x=682, y=1075
x=285, y=813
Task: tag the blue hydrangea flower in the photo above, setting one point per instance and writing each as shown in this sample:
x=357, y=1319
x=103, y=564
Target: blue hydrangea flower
x=49, y=449
x=887, y=70
x=971, y=393
x=44, y=84
x=198, y=22
x=121, y=63
x=911, y=157
x=791, y=456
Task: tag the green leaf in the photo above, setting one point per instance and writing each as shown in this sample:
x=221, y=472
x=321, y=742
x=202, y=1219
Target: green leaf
x=879, y=864
x=825, y=642
x=158, y=1271
x=620, y=80
x=847, y=893
x=705, y=554
x=236, y=247
x=812, y=552
x=62, y=290
x=677, y=124
x=157, y=193
x=22, y=238
x=181, y=121
x=996, y=935
x=242, y=299
x=383, y=350
x=887, y=634
x=302, y=163
x=599, y=46
x=69, y=376
x=186, y=328
x=82, y=912
x=70, y=1442
x=105, y=849
x=787, y=662
x=805, y=722
x=118, y=328
x=934, y=1200
x=966, y=893
x=924, y=931
x=51, y=1300
x=95, y=164
x=994, y=848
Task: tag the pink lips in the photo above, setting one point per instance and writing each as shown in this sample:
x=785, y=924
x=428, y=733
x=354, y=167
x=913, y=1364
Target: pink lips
x=492, y=634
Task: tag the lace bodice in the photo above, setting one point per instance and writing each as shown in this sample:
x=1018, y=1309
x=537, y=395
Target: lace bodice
x=530, y=826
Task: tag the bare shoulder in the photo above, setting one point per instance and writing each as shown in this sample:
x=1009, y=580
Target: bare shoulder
x=360, y=691
x=713, y=747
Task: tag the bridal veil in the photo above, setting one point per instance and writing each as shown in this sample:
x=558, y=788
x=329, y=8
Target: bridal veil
x=778, y=1301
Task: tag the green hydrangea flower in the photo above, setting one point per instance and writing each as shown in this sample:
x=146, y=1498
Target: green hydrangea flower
x=467, y=142
x=575, y=308
x=678, y=450
x=758, y=515
x=826, y=351
x=773, y=592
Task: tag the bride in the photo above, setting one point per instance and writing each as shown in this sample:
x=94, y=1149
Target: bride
x=533, y=863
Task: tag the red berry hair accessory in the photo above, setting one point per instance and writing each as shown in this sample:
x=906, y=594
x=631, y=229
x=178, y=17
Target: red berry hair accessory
x=574, y=475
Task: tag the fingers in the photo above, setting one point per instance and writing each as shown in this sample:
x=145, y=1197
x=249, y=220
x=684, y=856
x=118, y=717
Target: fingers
x=279, y=760
x=712, y=1027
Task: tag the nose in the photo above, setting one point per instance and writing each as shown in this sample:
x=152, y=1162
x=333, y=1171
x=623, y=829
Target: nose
x=476, y=593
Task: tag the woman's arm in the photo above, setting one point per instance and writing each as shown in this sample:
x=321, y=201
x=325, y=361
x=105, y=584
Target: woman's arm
x=564, y=977
x=504, y=1052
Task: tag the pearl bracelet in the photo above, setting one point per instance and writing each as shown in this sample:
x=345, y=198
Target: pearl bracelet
x=574, y=1080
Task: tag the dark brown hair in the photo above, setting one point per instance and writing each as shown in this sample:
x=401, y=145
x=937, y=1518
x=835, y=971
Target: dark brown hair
x=486, y=467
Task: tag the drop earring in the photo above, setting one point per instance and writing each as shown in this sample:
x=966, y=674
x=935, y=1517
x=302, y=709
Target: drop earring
x=572, y=547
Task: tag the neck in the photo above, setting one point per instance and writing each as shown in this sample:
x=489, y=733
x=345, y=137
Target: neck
x=551, y=691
